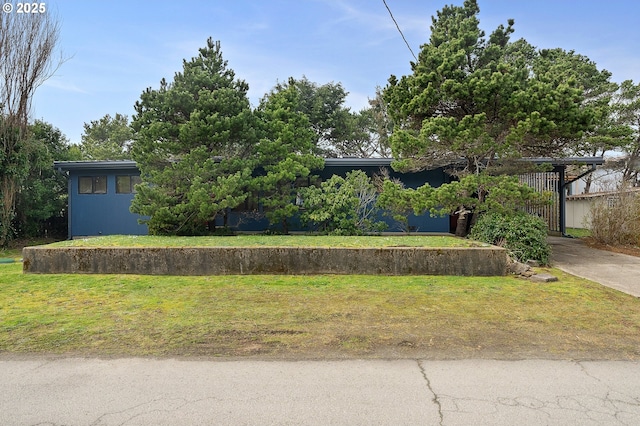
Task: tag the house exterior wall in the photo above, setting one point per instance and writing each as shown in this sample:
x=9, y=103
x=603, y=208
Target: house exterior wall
x=243, y=221
x=102, y=214
x=108, y=213
x=602, y=180
x=579, y=206
x=578, y=212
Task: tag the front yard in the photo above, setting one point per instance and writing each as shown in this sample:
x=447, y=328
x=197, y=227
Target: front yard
x=318, y=317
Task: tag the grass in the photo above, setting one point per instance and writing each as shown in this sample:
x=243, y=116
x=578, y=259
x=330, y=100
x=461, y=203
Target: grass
x=271, y=240
x=10, y=254
x=14, y=251
x=578, y=232
x=316, y=317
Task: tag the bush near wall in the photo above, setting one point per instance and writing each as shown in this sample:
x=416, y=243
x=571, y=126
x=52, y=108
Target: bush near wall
x=615, y=220
x=524, y=235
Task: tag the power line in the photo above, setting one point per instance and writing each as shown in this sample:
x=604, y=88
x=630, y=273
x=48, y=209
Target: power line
x=399, y=30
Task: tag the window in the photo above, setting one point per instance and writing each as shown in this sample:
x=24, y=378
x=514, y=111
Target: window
x=126, y=184
x=92, y=185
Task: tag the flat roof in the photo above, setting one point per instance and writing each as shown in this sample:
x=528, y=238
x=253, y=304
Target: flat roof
x=349, y=161
x=537, y=160
x=591, y=161
x=101, y=165
x=345, y=162
x=602, y=194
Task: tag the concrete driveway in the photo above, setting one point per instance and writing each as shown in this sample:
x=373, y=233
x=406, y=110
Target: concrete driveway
x=614, y=270
x=74, y=391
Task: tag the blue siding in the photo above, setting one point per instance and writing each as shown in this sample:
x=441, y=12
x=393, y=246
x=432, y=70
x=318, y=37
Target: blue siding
x=108, y=214
x=423, y=223
x=101, y=214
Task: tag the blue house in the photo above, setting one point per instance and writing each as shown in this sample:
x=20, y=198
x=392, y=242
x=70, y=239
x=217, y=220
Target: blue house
x=100, y=194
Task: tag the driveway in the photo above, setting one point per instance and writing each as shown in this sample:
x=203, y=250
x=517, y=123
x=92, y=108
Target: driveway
x=618, y=271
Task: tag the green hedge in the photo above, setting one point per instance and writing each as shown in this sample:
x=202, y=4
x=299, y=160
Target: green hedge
x=524, y=235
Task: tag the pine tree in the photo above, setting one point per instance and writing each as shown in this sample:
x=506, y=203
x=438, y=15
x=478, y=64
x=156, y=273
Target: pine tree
x=286, y=154
x=193, y=142
x=481, y=99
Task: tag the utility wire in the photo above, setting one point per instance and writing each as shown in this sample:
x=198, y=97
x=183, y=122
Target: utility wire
x=399, y=30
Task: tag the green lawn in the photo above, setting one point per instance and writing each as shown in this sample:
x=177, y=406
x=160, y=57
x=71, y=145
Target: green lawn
x=14, y=252
x=10, y=254
x=315, y=316
x=271, y=240
x=578, y=232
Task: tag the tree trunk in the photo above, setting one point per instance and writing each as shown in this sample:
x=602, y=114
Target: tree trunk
x=630, y=173
x=461, y=225
x=7, y=209
x=587, y=183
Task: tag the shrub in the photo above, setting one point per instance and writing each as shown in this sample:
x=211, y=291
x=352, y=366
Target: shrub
x=474, y=193
x=342, y=206
x=615, y=220
x=396, y=202
x=524, y=235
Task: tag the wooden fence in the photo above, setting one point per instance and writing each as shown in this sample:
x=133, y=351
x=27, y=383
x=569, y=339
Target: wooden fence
x=545, y=182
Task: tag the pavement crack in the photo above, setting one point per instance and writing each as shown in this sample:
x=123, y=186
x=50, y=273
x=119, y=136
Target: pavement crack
x=42, y=364
x=586, y=372
x=435, y=398
x=121, y=417
x=161, y=404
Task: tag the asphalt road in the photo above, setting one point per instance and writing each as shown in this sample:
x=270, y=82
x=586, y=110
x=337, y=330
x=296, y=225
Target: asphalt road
x=73, y=391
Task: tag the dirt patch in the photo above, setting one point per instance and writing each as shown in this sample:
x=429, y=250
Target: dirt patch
x=501, y=345
x=629, y=250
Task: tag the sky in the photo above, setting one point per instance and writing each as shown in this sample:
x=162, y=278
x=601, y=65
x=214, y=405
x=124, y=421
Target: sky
x=115, y=49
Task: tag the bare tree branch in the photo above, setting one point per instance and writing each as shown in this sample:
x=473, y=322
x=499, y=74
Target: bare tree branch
x=27, y=47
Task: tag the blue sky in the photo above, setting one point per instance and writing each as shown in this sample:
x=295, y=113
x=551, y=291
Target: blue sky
x=117, y=48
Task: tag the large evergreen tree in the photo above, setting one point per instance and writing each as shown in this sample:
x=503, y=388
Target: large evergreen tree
x=193, y=141
x=329, y=119
x=285, y=153
x=481, y=99
x=626, y=107
x=475, y=104
x=108, y=138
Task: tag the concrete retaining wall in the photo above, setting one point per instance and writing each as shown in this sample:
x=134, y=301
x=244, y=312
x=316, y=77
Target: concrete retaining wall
x=482, y=261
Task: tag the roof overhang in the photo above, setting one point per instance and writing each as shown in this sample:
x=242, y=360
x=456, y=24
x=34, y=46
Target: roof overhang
x=95, y=165
x=334, y=162
x=567, y=161
x=358, y=162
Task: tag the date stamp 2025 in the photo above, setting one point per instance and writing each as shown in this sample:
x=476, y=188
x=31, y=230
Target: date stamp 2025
x=25, y=8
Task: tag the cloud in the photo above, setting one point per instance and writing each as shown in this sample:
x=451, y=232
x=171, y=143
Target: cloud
x=358, y=101
x=59, y=84
x=376, y=20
